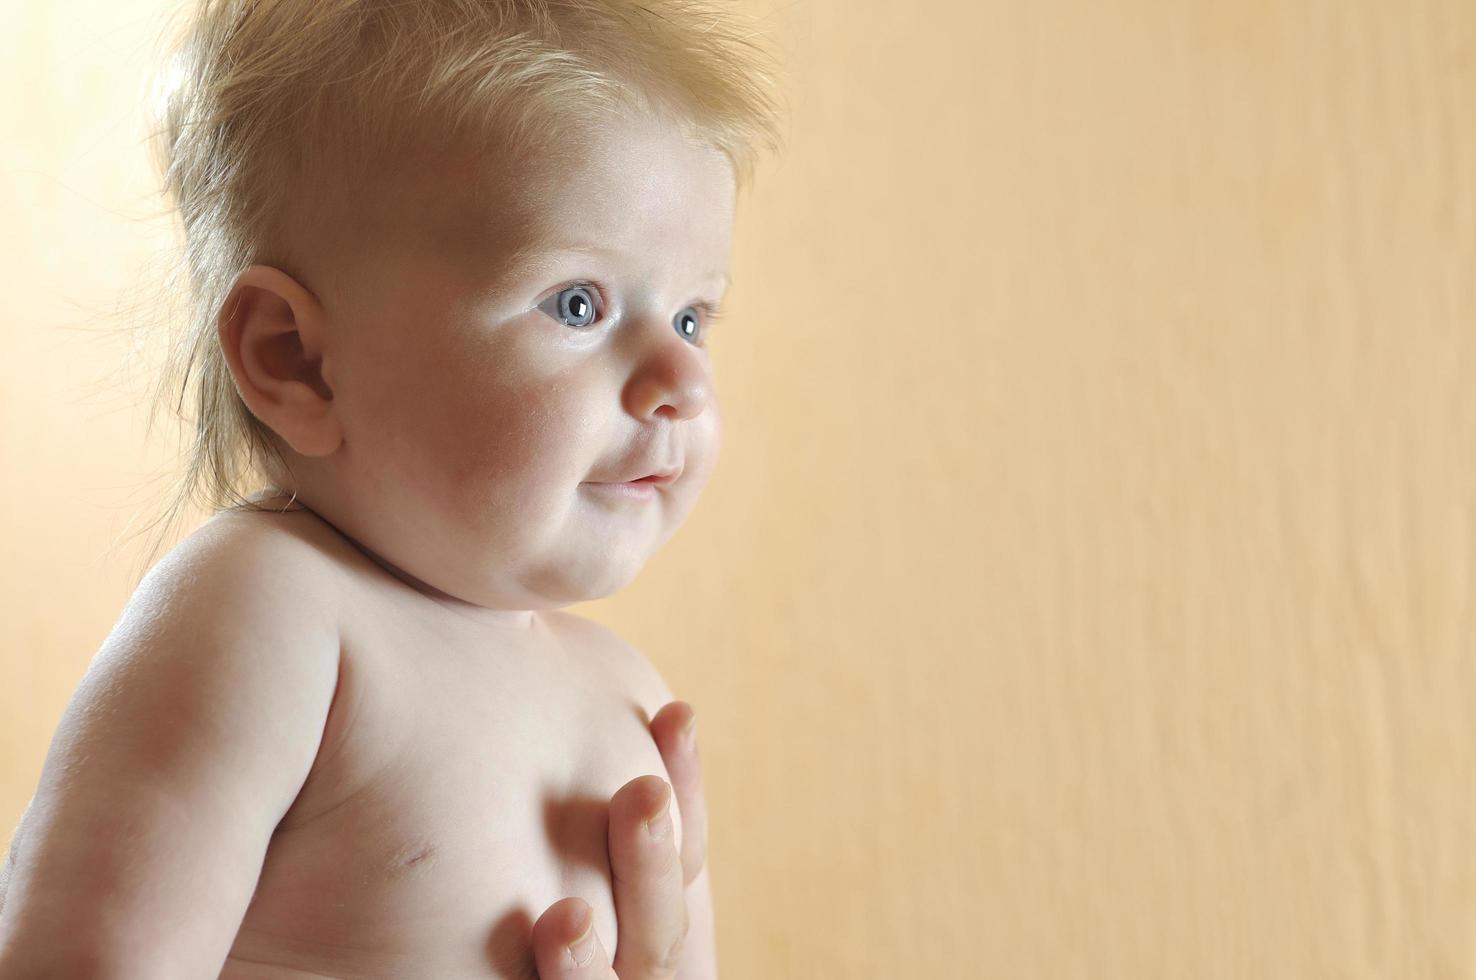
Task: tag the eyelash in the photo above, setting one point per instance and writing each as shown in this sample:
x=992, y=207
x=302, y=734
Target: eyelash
x=710, y=313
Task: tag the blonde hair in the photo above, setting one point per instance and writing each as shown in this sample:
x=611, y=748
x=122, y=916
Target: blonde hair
x=273, y=108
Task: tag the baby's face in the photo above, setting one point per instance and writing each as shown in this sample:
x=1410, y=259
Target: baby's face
x=520, y=347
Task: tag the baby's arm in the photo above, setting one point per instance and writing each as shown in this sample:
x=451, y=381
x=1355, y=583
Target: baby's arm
x=187, y=740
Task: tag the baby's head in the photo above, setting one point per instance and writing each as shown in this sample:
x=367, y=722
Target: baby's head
x=453, y=267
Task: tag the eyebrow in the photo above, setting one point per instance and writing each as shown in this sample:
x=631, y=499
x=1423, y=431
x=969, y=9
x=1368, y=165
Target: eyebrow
x=520, y=256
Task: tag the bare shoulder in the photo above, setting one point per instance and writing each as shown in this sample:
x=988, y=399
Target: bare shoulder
x=633, y=668
x=302, y=544
x=190, y=736
x=239, y=573
x=239, y=559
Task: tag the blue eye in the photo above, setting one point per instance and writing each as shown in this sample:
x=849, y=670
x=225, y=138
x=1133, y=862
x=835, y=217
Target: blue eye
x=573, y=306
x=686, y=322
x=579, y=306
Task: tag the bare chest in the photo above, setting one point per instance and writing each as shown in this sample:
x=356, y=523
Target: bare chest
x=462, y=787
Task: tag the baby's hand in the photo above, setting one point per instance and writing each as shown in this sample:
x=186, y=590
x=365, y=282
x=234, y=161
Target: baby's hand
x=650, y=877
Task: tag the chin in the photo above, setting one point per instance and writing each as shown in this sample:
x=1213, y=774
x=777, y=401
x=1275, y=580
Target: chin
x=597, y=582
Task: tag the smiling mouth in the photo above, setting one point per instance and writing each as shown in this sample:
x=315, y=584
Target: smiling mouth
x=643, y=489
x=659, y=477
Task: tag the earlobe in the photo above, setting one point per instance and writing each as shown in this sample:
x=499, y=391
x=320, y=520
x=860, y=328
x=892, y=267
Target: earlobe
x=271, y=332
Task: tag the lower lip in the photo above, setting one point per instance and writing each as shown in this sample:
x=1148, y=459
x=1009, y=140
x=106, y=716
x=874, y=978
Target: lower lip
x=636, y=489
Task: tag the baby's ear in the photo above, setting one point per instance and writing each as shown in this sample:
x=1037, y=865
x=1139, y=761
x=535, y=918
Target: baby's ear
x=271, y=332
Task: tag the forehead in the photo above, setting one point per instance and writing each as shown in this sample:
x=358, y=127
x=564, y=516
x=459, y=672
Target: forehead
x=633, y=188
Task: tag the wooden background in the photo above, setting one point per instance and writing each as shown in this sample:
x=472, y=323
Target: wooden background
x=1085, y=589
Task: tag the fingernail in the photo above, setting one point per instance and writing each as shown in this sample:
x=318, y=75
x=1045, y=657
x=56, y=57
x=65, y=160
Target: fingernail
x=689, y=732
x=658, y=824
x=583, y=948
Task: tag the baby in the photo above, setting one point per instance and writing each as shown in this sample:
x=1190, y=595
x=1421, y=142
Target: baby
x=455, y=267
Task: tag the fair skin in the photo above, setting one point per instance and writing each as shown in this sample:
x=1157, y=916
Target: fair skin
x=651, y=910
x=467, y=425
x=458, y=416
x=650, y=901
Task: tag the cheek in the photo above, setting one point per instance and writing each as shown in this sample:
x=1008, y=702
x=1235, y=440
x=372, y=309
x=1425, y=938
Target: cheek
x=703, y=451
x=717, y=427
x=499, y=436
x=444, y=417
x=512, y=434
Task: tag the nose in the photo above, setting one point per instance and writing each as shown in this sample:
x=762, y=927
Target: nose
x=669, y=376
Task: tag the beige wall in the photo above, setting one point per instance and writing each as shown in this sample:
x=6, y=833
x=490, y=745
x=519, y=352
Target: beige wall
x=1085, y=590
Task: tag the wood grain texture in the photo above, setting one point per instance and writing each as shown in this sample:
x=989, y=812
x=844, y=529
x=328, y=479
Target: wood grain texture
x=1084, y=591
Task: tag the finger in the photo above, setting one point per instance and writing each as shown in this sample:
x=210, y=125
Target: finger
x=565, y=948
x=674, y=730
x=650, y=896
x=678, y=745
